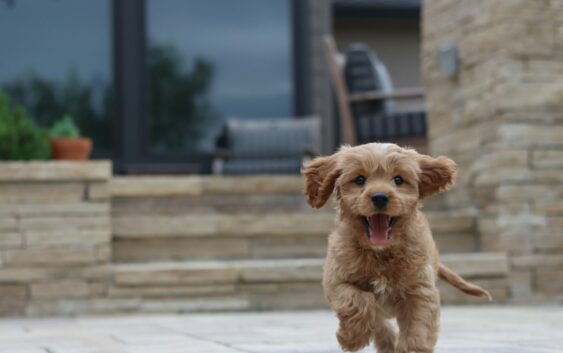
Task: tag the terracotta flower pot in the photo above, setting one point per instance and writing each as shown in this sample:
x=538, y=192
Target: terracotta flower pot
x=75, y=149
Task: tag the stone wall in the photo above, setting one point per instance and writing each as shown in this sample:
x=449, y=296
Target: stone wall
x=501, y=118
x=54, y=228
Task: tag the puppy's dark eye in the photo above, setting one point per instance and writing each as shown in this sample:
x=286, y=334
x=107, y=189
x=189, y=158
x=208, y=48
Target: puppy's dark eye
x=360, y=180
x=398, y=180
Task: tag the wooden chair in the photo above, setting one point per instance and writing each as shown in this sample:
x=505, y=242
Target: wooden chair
x=364, y=112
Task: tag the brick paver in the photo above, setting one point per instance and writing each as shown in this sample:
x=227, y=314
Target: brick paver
x=464, y=329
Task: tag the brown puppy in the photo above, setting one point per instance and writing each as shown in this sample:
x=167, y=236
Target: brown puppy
x=382, y=261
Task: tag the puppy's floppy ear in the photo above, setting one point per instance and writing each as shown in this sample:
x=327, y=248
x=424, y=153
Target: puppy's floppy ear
x=320, y=175
x=437, y=174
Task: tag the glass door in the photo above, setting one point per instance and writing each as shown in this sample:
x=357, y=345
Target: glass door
x=208, y=61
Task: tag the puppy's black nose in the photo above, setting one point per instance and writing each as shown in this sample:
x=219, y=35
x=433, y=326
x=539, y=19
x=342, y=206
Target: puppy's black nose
x=379, y=199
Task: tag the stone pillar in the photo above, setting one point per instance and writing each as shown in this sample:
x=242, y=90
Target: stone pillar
x=500, y=116
x=317, y=23
x=54, y=228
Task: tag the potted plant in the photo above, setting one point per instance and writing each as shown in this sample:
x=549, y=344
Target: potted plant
x=66, y=143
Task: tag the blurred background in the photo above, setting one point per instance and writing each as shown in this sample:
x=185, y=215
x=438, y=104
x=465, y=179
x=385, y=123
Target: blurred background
x=152, y=83
x=190, y=120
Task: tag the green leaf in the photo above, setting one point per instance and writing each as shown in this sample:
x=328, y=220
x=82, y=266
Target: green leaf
x=20, y=137
x=64, y=127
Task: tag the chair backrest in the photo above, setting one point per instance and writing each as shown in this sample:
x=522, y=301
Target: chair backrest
x=364, y=72
x=365, y=96
x=357, y=72
x=374, y=120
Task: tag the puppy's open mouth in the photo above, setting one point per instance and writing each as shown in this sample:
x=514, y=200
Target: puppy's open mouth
x=379, y=228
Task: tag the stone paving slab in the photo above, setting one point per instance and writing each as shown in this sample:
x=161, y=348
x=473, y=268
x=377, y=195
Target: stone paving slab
x=464, y=330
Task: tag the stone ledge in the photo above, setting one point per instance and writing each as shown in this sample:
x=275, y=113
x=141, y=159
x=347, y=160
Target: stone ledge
x=105, y=306
x=218, y=272
x=142, y=186
x=248, y=224
x=29, y=274
x=55, y=171
x=166, y=291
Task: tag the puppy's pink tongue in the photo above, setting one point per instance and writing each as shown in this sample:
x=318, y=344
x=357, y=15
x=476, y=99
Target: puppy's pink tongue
x=378, y=228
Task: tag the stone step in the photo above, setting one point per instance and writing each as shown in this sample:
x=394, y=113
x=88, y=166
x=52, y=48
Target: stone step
x=220, y=236
x=266, y=284
x=197, y=185
x=456, y=242
x=256, y=217
x=206, y=286
x=470, y=265
x=257, y=247
x=218, y=272
x=235, y=225
x=255, y=223
x=195, y=236
x=478, y=265
x=444, y=222
x=453, y=231
x=129, y=305
x=218, y=248
x=229, y=204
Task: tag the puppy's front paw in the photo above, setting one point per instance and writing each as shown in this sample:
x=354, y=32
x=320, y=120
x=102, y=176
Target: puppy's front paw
x=404, y=349
x=352, y=341
x=354, y=332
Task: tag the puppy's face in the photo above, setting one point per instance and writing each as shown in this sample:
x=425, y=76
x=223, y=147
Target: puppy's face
x=377, y=186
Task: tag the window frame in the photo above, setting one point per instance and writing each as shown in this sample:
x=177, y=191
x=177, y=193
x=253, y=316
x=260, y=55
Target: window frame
x=131, y=153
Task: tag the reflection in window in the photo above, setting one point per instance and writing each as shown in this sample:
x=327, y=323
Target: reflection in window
x=209, y=60
x=56, y=59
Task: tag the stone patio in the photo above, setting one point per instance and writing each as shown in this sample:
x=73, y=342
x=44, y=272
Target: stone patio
x=464, y=329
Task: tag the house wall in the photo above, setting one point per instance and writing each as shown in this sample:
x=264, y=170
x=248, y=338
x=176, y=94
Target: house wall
x=500, y=118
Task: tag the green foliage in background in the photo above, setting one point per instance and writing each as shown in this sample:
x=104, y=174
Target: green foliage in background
x=179, y=109
x=65, y=127
x=20, y=137
x=89, y=102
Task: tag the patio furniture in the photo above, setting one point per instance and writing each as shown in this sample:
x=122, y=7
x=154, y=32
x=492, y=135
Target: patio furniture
x=266, y=146
x=367, y=100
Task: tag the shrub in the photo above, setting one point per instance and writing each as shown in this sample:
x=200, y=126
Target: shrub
x=20, y=137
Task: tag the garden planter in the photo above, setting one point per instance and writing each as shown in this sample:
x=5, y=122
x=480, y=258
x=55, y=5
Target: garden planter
x=77, y=149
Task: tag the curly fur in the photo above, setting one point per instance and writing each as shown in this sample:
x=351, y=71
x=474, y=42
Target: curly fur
x=366, y=283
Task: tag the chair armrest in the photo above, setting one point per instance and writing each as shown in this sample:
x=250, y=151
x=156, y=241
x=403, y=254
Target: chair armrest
x=402, y=93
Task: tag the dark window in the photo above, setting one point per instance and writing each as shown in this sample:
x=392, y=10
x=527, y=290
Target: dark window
x=56, y=59
x=150, y=81
x=210, y=60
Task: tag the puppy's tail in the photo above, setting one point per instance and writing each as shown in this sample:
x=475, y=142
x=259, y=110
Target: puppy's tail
x=455, y=280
